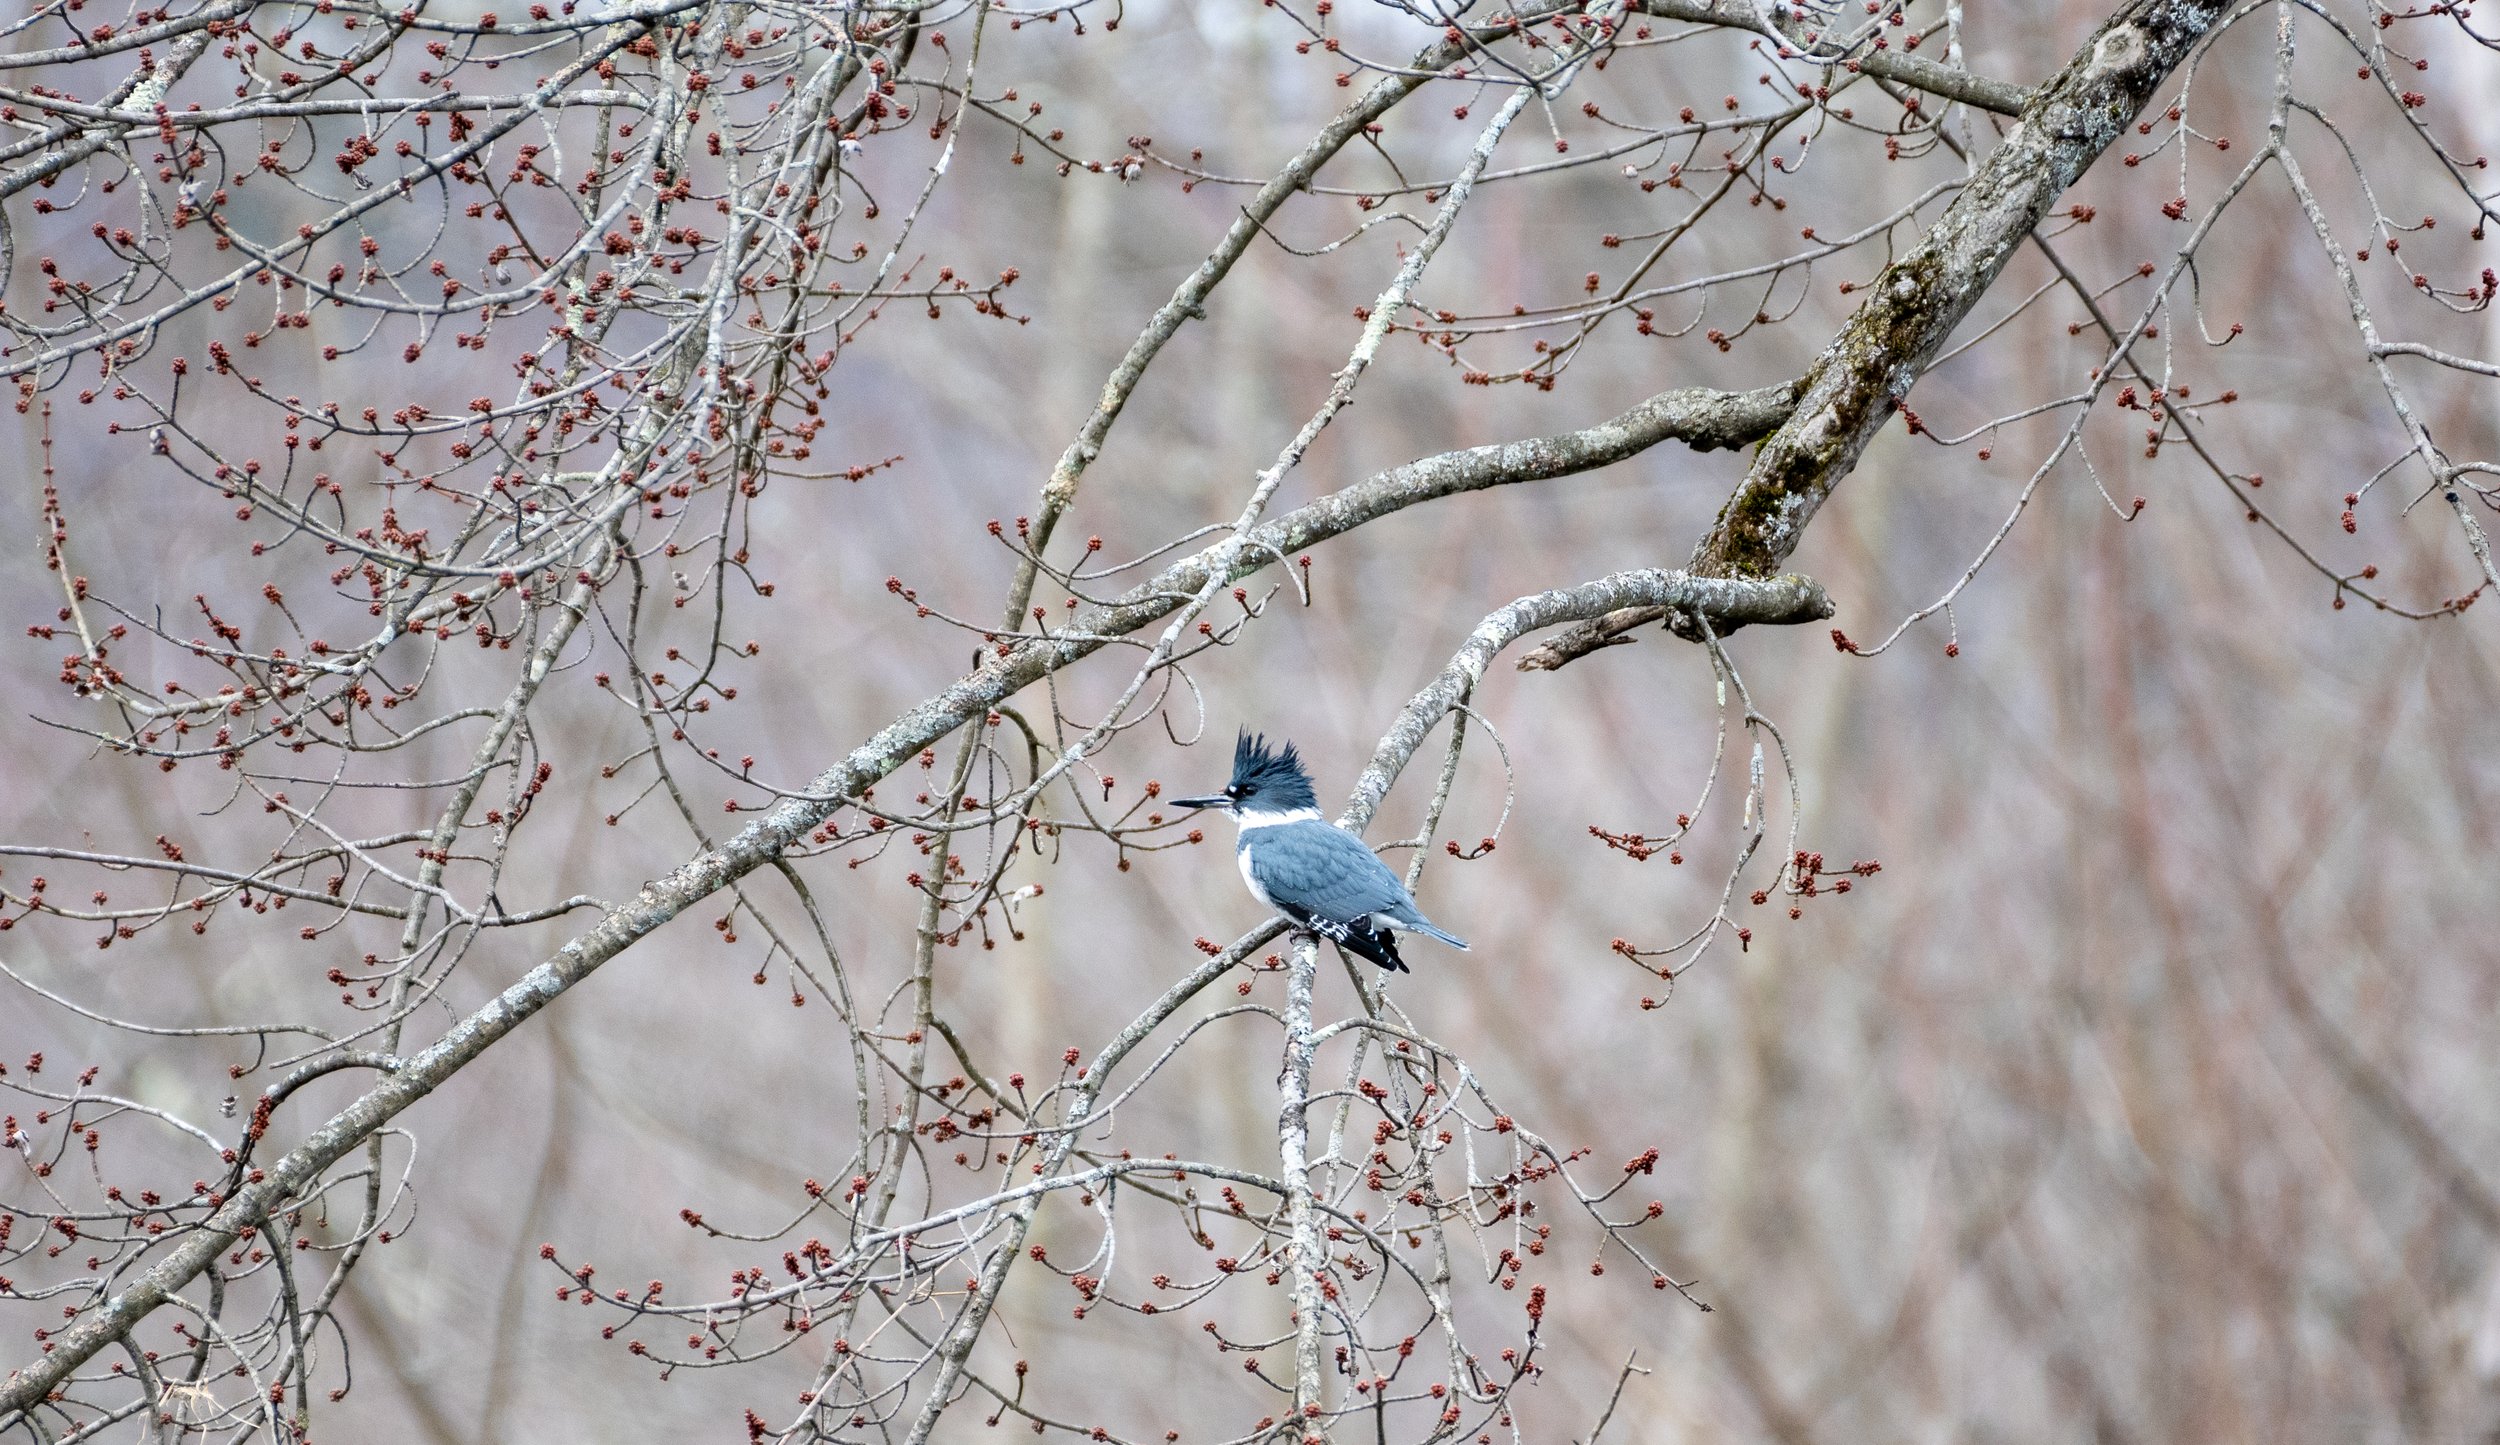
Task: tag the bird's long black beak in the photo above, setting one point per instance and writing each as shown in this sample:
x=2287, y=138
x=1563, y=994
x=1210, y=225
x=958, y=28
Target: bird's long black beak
x=1218, y=801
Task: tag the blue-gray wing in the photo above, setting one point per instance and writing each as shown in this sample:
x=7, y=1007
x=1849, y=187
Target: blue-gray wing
x=1326, y=872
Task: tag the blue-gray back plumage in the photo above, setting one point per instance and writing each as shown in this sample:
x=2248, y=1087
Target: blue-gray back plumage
x=1312, y=867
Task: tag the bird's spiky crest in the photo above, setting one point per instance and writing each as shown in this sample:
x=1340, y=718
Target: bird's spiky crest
x=1273, y=775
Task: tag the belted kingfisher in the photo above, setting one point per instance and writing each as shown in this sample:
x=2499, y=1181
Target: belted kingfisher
x=1316, y=874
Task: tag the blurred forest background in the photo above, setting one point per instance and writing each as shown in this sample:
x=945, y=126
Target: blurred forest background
x=2150, y=1093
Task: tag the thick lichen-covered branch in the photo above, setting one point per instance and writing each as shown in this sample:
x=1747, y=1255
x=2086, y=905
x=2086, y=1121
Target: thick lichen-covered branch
x=1860, y=379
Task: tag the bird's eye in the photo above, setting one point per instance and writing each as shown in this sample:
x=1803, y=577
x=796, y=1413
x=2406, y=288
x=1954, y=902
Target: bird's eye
x=1233, y=791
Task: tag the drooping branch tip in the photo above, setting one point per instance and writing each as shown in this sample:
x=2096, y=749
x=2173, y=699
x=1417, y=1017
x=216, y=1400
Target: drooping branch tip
x=1725, y=603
